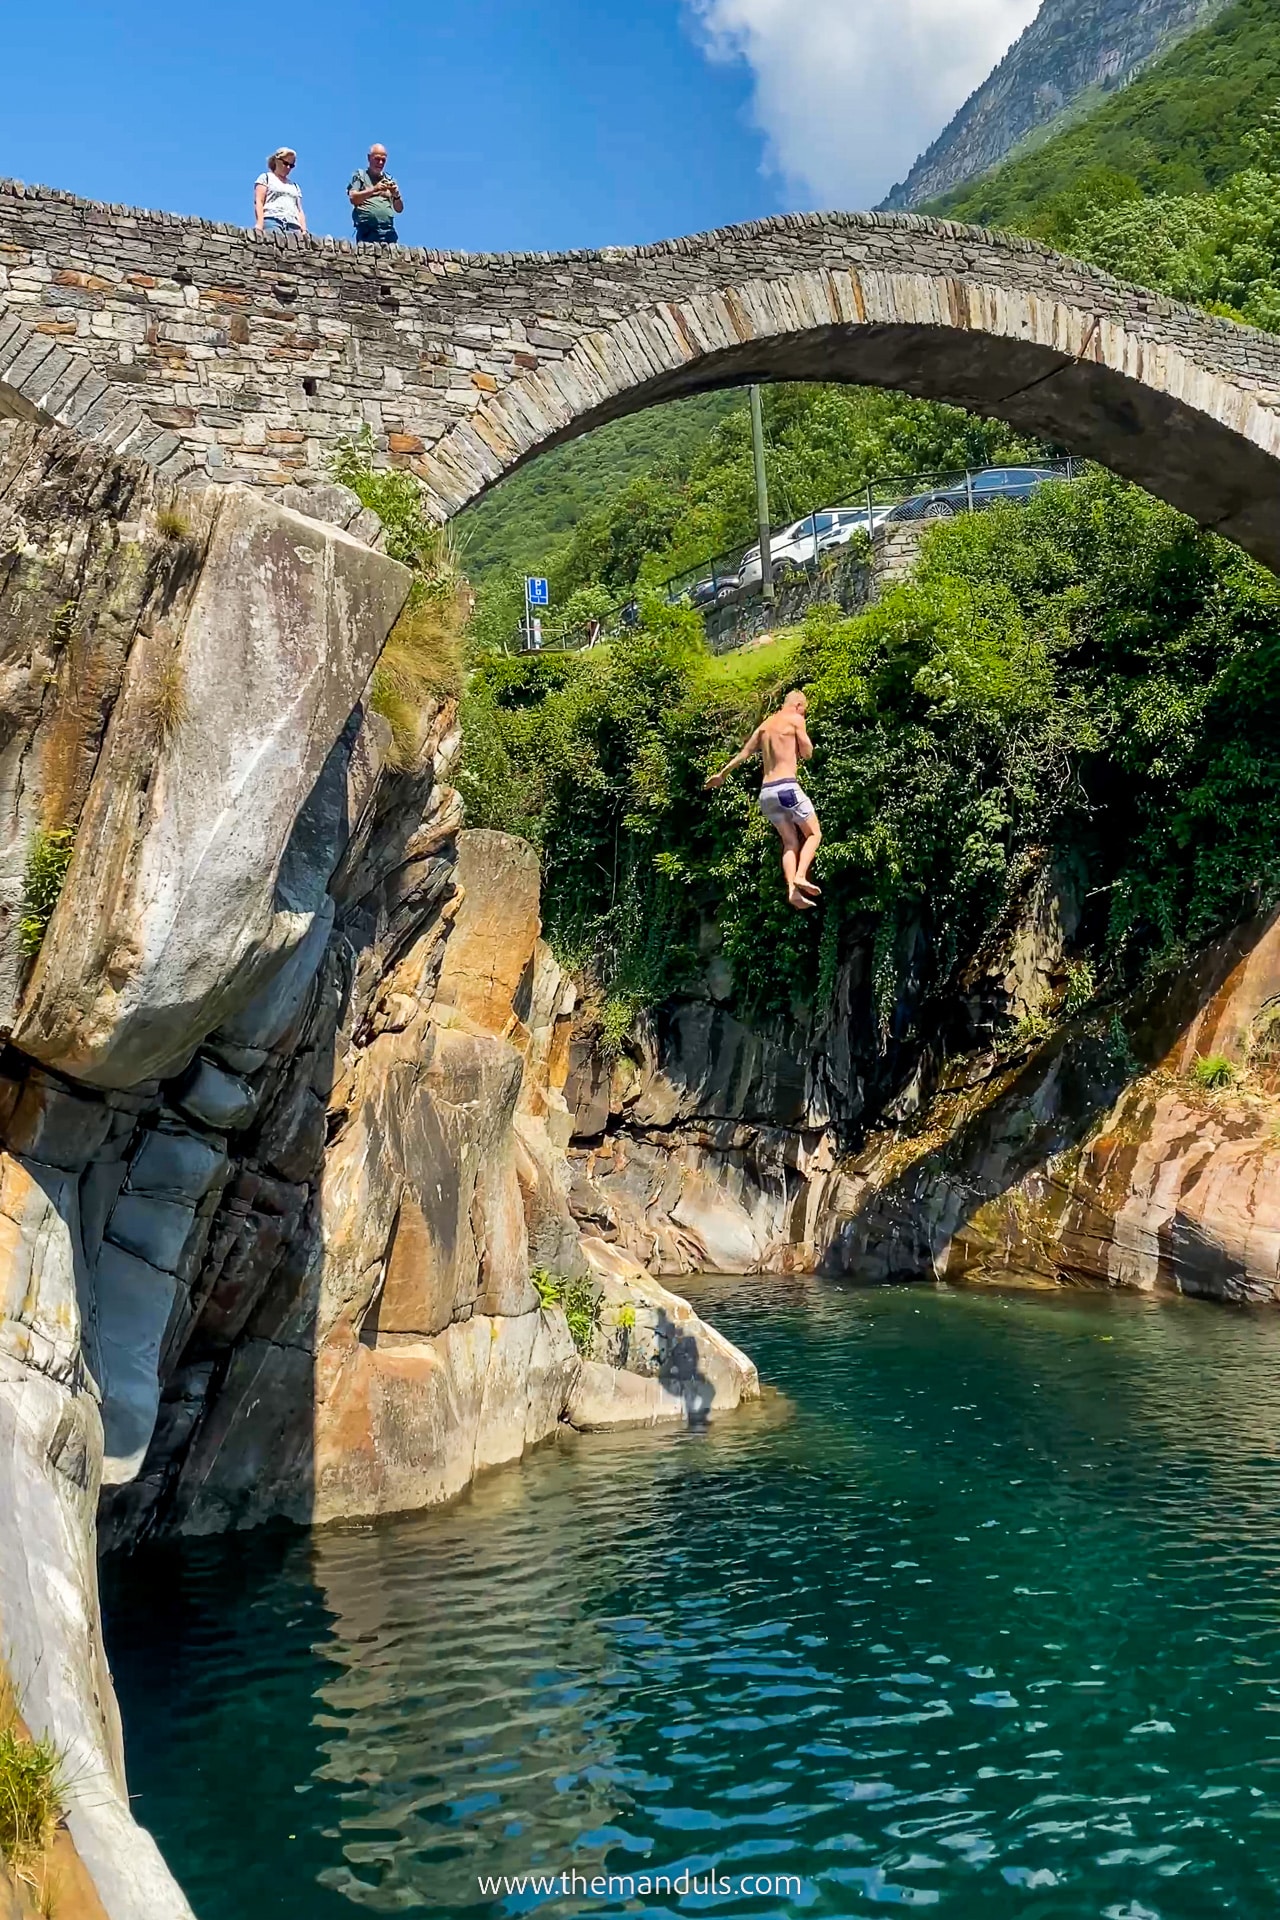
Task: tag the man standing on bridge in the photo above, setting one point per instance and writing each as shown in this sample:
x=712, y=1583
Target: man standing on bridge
x=375, y=202
x=782, y=741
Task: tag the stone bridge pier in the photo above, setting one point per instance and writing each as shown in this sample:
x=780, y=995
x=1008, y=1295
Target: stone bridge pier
x=213, y=353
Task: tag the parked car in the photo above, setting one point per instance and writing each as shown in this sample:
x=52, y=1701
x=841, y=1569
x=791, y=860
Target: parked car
x=800, y=543
x=846, y=521
x=711, y=592
x=983, y=489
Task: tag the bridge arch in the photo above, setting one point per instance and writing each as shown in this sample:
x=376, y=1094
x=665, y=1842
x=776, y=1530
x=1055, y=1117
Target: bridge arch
x=1191, y=431
x=218, y=354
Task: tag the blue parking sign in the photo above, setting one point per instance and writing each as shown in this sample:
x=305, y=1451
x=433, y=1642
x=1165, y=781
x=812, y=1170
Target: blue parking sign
x=537, y=592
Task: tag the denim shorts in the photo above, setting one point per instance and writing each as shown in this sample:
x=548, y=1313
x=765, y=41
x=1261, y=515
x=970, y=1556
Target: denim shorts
x=272, y=225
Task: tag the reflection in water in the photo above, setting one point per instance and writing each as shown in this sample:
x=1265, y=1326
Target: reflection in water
x=986, y=1605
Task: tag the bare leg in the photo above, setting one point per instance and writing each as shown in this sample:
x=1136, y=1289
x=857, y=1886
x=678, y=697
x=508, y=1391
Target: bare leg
x=811, y=840
x=791, y=838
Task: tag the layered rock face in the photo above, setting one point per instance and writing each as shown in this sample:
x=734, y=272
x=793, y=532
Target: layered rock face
x=1082, y=1154
x=281, y=1117
x=1076, y=1166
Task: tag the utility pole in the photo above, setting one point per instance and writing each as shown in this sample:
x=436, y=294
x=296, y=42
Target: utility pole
x=762, y=498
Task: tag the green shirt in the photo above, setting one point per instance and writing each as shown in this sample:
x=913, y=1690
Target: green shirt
x=378, y=212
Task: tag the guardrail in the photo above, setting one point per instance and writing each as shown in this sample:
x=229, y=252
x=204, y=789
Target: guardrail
x=805, y=542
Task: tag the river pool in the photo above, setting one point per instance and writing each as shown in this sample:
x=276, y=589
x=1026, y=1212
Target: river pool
x=980, y=1609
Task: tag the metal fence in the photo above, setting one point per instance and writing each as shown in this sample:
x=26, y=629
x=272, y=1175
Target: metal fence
x=824, y=533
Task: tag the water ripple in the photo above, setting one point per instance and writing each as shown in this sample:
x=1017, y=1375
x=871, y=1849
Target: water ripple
x=982, y=1605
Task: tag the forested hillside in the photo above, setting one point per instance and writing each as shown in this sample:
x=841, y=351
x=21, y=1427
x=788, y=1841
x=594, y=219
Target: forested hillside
x=823, y=444
x=523, y=523
x=1179, y=128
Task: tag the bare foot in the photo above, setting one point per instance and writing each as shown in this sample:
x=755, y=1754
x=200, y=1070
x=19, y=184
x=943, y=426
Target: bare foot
x=808, y=886
x=797, y=899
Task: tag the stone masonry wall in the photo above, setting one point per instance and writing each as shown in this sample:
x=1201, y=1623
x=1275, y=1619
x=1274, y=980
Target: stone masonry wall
x=200, y=346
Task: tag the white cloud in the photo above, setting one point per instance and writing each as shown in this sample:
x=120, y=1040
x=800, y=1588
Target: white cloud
x=848, y=92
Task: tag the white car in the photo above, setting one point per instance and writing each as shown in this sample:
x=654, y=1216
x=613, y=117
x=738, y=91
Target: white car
x=798, y=544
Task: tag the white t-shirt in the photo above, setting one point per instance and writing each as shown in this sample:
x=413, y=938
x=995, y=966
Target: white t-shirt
x=284, y=198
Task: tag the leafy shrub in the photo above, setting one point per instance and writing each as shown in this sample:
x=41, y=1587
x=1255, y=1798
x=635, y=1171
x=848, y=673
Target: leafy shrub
x=48, y=858
x=579, y=1301
x=1120, y=1047
x=582, y=1311
x=1082, y=984
x=549, y=1287
x=1213, y=1071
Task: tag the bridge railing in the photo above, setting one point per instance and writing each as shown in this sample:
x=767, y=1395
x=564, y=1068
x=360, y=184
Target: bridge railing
x=732, y=577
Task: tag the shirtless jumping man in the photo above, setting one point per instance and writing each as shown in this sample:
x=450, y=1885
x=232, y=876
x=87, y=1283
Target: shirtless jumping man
x=782, y=742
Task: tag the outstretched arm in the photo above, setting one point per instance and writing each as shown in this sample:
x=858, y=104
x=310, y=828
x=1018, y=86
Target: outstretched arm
x=744, y=754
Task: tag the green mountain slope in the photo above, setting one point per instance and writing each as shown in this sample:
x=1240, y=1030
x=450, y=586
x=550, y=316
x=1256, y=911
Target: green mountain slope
x=1179, y=128
x=1072, y=49
x=526, y=520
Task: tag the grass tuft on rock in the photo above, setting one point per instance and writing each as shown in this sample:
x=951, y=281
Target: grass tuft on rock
x=172, y=525
x=48, y=858
x=422, y=662
x=1213, y=1071
x=170, y=707
x=32, y=1792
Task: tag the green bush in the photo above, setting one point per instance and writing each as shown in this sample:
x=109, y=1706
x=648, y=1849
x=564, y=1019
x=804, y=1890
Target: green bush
x=579, y=1300
x=1088, y=672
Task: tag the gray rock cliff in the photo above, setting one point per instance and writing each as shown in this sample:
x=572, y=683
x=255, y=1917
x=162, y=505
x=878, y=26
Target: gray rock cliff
x=281, y=1056
x=1071, y=48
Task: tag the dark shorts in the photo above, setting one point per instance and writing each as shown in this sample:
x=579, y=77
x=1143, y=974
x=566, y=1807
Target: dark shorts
x=376, y=236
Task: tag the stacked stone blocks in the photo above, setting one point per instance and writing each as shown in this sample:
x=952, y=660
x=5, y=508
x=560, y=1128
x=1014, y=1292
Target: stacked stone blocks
x=208, y=350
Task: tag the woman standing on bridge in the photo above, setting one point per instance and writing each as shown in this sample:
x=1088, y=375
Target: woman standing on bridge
x=277, y=199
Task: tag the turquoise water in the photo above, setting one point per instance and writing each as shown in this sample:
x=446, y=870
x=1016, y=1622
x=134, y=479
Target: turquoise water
x=980, y=1610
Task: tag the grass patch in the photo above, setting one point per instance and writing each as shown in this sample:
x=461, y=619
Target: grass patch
x=33, y=1790
x=48, y=858
x=1213, y=1071
x=578, y=1300
x=750, y=667
x=172, y=525
x=421, y=663
x=170, y=708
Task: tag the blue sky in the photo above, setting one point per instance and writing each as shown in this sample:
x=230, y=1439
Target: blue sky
x=510, y=123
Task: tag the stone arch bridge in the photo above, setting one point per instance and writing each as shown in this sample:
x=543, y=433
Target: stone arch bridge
x=214, y=353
